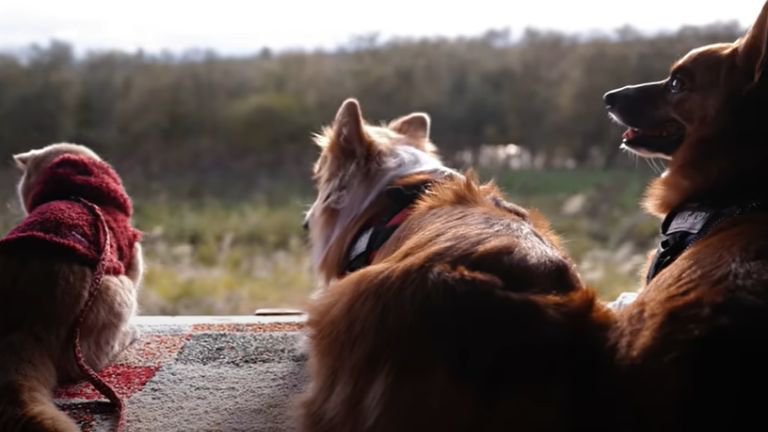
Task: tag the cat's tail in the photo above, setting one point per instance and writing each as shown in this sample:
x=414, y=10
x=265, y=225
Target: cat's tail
x=26, y=400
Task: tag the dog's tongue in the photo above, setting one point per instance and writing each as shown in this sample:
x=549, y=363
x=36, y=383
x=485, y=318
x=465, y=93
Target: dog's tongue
x=631, y=134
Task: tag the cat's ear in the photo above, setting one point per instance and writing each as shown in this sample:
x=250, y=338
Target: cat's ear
x=22, y=160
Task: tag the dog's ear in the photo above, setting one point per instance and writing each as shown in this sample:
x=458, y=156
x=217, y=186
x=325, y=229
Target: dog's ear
x=753, y=47
x=349, y=139
x=414, y=125
x=22, y=160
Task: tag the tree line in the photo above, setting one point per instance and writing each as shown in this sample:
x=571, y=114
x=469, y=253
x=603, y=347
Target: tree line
x=219, y=123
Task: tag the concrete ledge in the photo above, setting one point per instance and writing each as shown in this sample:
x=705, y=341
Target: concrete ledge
x=201, y=373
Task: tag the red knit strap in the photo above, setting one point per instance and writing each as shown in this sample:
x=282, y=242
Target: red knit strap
x=400, y=218
x=96, y=280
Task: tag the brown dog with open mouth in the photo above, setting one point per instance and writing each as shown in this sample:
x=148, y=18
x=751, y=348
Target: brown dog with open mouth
x=694, y=345
x=446, y=307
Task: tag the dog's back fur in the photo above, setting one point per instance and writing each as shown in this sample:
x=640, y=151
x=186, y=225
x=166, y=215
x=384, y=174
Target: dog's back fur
x=693, y=348
x=470, y=317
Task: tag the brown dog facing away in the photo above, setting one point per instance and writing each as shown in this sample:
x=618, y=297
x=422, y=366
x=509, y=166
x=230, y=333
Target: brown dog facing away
x=693, y=347
x=70, y=274
x=446, y=307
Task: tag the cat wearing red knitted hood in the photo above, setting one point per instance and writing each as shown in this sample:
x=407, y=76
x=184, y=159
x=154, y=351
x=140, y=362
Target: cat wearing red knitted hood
x=69, y=274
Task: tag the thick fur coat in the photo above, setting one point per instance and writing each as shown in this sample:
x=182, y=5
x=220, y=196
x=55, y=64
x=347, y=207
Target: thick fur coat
x=470, y=317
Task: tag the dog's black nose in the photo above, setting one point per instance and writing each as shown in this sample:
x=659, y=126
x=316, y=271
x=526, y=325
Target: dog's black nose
x=610, y=99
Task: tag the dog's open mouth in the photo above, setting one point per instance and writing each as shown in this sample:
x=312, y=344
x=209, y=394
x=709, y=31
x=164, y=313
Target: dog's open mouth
x=658, y=142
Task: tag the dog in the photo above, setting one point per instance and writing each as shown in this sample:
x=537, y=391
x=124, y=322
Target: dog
x=70, y=274
x=444, y=306
x=694, y=343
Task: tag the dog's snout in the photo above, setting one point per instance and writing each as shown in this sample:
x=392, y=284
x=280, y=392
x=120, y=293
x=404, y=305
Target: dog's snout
x=610, y=99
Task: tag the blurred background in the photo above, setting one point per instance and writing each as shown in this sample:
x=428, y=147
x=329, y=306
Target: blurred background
x=207, y=111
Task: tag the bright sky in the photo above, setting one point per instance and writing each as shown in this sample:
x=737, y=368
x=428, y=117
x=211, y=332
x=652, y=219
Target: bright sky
x=243, y=26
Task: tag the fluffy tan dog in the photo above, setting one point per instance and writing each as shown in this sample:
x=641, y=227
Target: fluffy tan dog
x=447, y=308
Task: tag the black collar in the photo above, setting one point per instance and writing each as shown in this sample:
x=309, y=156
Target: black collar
x=689, y=224
x=373, y=235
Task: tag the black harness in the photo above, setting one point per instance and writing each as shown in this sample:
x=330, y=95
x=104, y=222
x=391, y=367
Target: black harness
x=373, y=236
x=689, y=224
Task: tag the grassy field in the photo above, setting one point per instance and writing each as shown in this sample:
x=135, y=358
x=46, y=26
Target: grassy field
x=233, y=256
x=214, y=257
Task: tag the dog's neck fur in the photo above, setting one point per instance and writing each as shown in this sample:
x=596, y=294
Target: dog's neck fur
x=698, y=174
x=403, y=162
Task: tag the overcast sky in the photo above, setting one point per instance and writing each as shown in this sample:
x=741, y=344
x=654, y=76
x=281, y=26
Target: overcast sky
x=240, y=26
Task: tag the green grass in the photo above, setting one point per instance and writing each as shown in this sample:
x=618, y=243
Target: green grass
x=232, y=256
x=547, y=188
x=216, y=257
x=284, y=281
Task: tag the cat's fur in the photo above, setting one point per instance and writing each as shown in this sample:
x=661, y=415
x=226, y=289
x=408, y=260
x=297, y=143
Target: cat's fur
x=41, y=295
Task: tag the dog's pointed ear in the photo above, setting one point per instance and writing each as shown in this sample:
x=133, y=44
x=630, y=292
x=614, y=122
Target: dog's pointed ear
x=753, y=47
x=22, y=160
x=414, y=125
x=349, y=139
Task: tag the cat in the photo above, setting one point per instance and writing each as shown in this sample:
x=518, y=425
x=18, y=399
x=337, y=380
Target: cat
x=77, y=226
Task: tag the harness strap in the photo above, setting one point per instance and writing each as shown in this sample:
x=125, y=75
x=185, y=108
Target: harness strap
x=684, y=227
x=98, y=275
x=372, y=238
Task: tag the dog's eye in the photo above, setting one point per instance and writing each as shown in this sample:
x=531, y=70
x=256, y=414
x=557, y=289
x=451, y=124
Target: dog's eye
x=677, y=84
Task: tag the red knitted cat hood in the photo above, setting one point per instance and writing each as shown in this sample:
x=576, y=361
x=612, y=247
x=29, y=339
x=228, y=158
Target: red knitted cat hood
x=59, y=221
